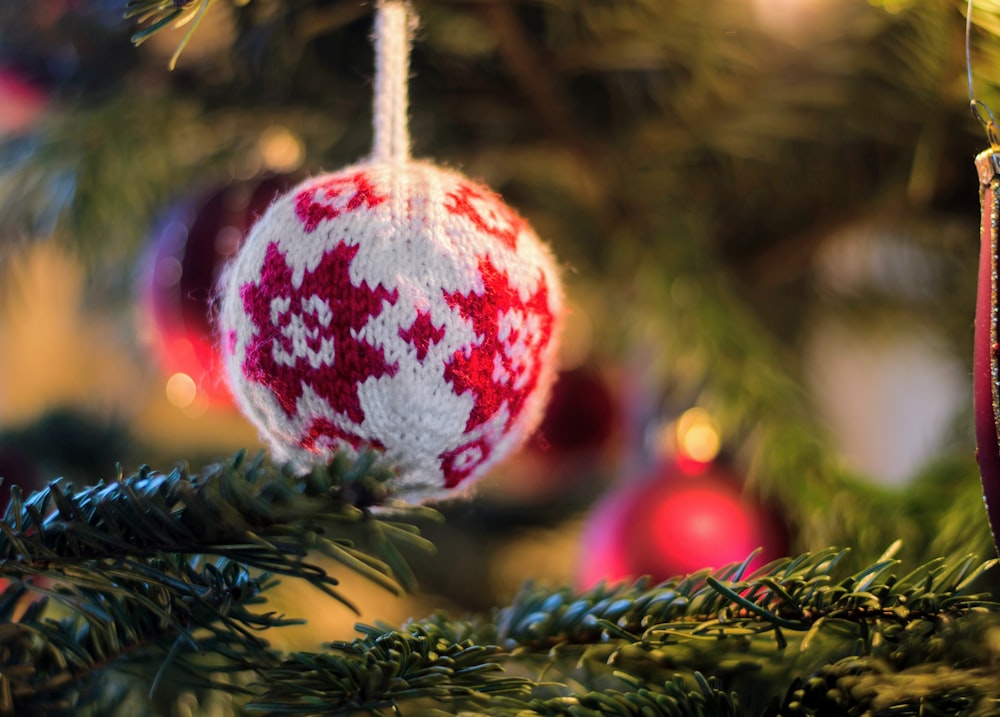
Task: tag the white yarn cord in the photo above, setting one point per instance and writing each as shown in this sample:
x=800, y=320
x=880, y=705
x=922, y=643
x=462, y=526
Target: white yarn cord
x=392, y=68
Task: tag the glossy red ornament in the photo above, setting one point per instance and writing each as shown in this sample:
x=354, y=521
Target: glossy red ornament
x=986, y=371
x=574, y=449
x=191, y=245
x=675, y=522
x=21, y=102
x=581, y=415
x=16, y=468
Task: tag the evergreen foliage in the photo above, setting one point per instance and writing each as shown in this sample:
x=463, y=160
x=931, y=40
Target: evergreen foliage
x=682, y=169
x=159, y=573
x=173, y=563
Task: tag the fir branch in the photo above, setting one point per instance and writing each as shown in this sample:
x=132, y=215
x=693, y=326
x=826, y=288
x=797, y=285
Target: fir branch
x=632, y=646
x=675, y=698
x=119, y=619
x=789, y=594
x=241, y=510
x=869, y=686
x=160, y=13
x=742, y=638
x=119, y=556
x=384, y=669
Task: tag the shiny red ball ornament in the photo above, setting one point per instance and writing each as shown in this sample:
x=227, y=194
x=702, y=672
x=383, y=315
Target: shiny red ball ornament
x=574, y=449
x=675, y=522
x=21, y=102
x=192, y=243
x=986, y=357
x=17, y=468
x=581, y=415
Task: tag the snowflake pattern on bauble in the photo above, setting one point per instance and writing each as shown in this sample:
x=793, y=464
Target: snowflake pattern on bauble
x=308, y=334
x=424, y=326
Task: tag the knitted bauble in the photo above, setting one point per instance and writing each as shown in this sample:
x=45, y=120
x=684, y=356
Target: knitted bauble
x=399, y=306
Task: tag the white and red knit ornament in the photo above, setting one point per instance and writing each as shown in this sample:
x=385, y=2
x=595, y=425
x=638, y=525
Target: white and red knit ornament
x=395, y=305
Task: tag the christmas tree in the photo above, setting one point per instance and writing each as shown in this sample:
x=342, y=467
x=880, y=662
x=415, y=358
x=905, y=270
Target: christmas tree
x=753, y=489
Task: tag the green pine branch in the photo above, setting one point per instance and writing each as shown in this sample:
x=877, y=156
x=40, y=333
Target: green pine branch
x=678, y=697
x=242, y=510
x=167, y=567
x=166, y=576
x=382, y=670
x=155, y=15
x=712, y=643
x=167, y=611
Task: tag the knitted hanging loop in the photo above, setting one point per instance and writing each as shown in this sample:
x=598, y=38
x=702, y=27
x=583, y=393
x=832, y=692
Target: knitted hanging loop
x=393, y=31
x=393, y=305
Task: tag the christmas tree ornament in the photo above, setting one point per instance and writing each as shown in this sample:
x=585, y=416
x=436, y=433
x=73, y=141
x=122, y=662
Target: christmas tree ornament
x=394, y=305
x=986, y=354
x=680, y=519
x=581, y=414
x=191, y=244
x=573, y=451
x=21, y=102
x=686, y=513
x=17, y=468
x=986, y=369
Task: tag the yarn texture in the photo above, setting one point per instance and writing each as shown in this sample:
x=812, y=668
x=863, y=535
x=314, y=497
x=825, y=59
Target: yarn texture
x=398, y=306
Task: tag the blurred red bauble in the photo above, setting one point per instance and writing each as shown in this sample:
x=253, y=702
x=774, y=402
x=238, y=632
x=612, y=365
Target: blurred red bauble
x=17, y=468
x=574, y=449
x=21, y=102
x=581, y=414
x=678, y=521
x=190, y=247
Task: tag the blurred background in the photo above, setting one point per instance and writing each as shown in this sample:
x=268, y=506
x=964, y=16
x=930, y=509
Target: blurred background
x=766, y=212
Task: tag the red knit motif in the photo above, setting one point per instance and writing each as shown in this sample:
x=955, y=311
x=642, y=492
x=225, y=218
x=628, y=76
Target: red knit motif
x=331, y=198
x=307, y=335
x=421, y=334
x=506, y=361
x=486, y=211
x=458, y=464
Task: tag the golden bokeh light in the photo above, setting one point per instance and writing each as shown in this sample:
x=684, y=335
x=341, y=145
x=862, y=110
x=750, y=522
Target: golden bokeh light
x=181, y=390
x=280, y=149
x=697, y=435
